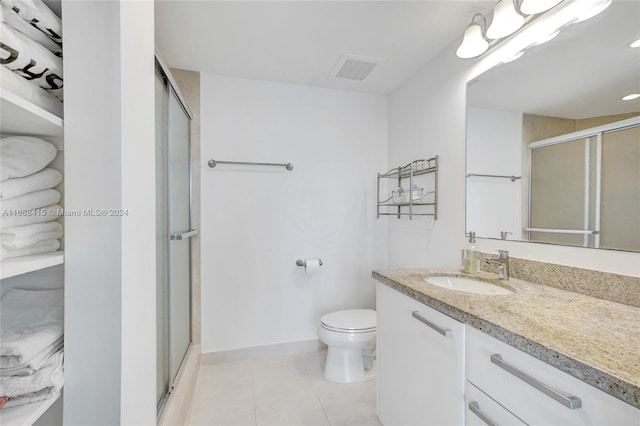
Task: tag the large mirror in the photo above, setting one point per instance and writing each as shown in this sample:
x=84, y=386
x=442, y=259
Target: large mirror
x=553, y=152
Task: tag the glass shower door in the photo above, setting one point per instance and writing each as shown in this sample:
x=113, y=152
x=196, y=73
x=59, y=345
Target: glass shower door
x=180, y=237
x=173, y=233
x=162, y=243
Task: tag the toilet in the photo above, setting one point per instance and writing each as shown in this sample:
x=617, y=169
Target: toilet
x=351, y=338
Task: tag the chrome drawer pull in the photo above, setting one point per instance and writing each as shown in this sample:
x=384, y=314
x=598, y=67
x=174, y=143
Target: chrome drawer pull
x=475, y=409
x=444, y=331
x=569, y=401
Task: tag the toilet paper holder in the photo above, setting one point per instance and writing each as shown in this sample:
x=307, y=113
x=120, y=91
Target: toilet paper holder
x=301, y=262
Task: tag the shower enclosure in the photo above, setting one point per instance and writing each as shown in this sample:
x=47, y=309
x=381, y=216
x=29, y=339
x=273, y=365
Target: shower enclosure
x=173, y=231
x=583, y=188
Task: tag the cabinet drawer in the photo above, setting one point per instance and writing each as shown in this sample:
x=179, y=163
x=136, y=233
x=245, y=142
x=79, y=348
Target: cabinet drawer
x=503, y=380
x=484, y=411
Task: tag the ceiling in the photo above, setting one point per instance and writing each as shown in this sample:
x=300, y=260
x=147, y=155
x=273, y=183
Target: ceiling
x=300, y=42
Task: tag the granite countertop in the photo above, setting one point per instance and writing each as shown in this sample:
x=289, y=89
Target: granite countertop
x=594, y=340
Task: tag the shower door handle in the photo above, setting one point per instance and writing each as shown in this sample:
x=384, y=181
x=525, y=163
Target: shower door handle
x=184, y=235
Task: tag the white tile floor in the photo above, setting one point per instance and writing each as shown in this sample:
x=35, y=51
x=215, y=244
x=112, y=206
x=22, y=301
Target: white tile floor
x=280, y=391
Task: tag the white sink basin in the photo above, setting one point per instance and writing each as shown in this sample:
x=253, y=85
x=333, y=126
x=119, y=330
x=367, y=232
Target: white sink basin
x=468, y=285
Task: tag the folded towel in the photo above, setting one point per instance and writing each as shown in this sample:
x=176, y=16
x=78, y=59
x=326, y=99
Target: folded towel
x=25, y=89
x=44, y=179
x=38, y=14
x=31, y=60
x=49, y=376
x=10, y=17
x=9, y=219
x=31, y=398
x=35, y=363
x=21, y=232
x=32, y=200
x=47, y=246
x=31, y=321
x=22, y=156
x=32, y=240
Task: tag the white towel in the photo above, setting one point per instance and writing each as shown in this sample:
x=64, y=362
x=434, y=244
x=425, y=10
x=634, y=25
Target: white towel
x=49, y=376
x=44, y=179
x=21, y=232
x=33, y=240
x=38, y=14
x=35, y=363
x=32, y=397
x=31, y=60
x=25, y=89
x=22, y=156
x=9, y=219
x=32, y=200
x=31, y=321
x=47, y=246
x=10, y=17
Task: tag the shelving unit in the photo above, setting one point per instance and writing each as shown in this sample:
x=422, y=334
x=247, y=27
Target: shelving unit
x=21, y=117
x=412, y=207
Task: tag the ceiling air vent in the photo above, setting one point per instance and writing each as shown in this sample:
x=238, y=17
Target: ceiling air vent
x=354, y=67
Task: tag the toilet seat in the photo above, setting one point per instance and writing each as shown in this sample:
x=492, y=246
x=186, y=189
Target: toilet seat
x=350, y=321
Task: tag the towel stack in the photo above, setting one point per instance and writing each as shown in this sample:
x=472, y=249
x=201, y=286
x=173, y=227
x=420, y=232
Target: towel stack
x=32, y=44
x=31, y=345
x=28, y=204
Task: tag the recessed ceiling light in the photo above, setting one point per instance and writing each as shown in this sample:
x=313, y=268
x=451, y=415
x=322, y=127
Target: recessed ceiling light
x=636, y=43
x=631, y=97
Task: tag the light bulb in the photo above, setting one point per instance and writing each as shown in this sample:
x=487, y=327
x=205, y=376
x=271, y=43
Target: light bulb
x=473, y=44
x=505, y=21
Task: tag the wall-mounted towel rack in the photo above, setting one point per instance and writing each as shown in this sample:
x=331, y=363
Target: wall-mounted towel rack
x=212, y=163
x=513, y=178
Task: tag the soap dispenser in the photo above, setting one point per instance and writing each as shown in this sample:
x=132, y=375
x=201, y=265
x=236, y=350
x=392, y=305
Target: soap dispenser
x=470, y=256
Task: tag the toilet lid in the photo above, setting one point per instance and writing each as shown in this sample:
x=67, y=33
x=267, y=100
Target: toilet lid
x=360, y=320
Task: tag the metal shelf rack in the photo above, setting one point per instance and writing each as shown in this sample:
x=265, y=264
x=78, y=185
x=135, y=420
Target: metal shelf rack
x=411, y=208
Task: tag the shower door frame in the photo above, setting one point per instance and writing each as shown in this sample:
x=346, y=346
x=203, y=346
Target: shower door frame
x=162, y=70
x=596, y=134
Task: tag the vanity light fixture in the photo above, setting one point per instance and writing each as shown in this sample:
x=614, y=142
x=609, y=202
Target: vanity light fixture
x=511, y=15
x=506, y=20
x=474, y=43
x=631, y=97
x=635, y=43
x=532, y=7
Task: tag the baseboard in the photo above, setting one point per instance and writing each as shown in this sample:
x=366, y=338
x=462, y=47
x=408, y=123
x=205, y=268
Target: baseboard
x=260, y=352
x=179, y=403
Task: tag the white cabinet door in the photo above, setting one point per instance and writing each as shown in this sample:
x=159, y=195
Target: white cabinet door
x=420, y=370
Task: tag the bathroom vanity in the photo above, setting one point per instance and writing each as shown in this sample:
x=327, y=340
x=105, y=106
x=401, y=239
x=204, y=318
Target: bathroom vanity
x=537, y=355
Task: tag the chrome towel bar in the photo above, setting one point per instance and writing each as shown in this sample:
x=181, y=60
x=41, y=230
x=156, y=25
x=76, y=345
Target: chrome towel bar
x=513, y=178
x=212, y=163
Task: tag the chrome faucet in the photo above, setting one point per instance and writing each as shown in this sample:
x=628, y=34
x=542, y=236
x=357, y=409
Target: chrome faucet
x=503, y=264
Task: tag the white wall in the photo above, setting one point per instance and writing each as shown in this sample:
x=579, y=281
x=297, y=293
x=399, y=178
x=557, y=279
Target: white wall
x=493, y=148
x=257, y=221
x=427, y=117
